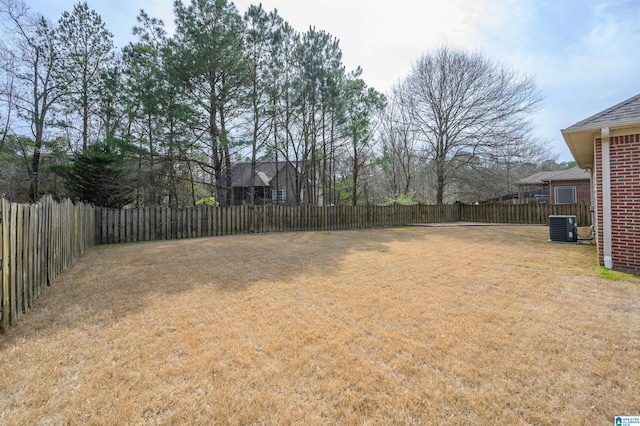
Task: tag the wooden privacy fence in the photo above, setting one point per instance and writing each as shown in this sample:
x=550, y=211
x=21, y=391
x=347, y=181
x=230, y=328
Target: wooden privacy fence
x=164, y=223
x=524, y=213
x=38, y=242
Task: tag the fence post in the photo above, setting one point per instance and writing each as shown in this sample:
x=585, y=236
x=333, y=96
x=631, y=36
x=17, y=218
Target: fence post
x=4, y=272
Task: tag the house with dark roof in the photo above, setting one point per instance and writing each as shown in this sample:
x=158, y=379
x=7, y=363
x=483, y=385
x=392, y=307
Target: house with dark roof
x=568, y=186
x=608, y=144
x=274, y=183
x=532, y=189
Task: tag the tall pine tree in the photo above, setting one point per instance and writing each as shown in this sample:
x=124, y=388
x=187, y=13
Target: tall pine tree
x=86, y=48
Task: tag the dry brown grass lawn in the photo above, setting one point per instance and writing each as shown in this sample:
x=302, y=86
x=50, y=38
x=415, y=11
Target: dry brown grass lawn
x=440, y=325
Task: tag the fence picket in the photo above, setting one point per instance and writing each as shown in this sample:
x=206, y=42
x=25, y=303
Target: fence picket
x=4, y=240
x=37, y=242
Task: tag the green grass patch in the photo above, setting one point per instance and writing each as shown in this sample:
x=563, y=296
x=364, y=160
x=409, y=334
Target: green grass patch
x=538, y=241
x=611, y=275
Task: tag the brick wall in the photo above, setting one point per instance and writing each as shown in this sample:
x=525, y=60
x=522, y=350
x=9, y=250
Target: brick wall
x=583, y=190
x=625, y=201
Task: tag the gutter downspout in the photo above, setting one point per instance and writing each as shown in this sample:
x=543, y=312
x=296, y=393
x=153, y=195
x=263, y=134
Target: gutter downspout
x=606, y=198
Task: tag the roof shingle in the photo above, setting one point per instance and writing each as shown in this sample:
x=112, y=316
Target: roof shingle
x=624, y=111
x=241, y=174
x=574, y=173
x=538, y=178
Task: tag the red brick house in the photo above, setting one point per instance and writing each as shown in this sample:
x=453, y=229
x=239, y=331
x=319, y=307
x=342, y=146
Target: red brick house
x=608, y=144
x=568, y=186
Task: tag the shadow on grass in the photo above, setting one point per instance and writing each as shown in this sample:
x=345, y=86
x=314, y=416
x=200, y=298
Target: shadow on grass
x=113, y=281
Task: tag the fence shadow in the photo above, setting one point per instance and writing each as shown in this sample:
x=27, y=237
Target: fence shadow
x=112, y=282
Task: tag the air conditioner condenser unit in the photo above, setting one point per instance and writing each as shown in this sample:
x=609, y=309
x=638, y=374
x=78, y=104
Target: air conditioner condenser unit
x=563, y=229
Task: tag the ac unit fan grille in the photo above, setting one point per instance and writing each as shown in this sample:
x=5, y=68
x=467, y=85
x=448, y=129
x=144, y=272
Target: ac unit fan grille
x=563, y=229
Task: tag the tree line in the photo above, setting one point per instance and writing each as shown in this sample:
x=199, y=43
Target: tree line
x=163, y=120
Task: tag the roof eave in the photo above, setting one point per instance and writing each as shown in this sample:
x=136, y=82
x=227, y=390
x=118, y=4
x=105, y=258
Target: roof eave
x=580, y=139
x=581, y=146
x=596, y=127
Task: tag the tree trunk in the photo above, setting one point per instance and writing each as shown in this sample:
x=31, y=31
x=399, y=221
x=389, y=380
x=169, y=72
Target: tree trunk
x=85, y=122
x=35, y=174
x=354, y=174
x=254, y=139
x=440, y=184
x=226, y=187
x=152, y=180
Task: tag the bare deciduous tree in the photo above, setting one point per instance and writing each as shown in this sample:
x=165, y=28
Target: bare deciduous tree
x=29, y=50
x=463, y=107
x=7, y=90
x=399, y=146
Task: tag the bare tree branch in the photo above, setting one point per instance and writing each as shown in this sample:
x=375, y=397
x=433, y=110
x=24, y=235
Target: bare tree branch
x=464, y=106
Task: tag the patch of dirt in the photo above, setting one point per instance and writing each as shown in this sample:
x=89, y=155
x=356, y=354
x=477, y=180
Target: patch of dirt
x=425, y=325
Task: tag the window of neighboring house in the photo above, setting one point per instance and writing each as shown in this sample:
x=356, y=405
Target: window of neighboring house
x=279, y=195
x=565, y=194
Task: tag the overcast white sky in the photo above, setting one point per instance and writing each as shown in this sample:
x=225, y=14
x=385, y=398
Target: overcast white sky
x=584, y=54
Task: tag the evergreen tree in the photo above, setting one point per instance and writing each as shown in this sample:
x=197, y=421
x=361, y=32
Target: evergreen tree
x=362, y=104
x=262, y=38
x=86, y=48
x=318, y=59
x=99, y=176
x=209, y=48
x=146, y=103
x=160, y=118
